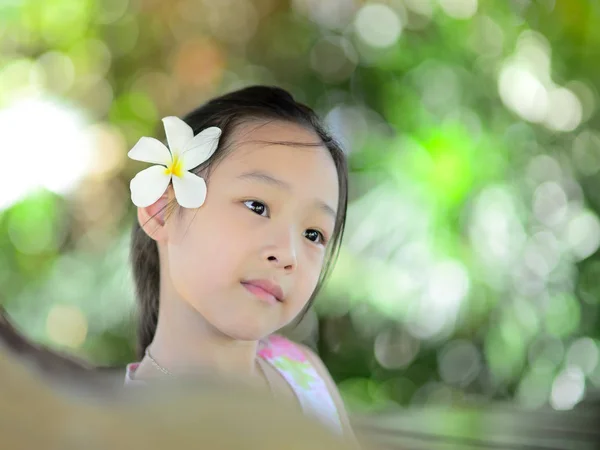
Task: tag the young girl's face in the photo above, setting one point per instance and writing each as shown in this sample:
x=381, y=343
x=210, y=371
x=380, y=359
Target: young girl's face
x=265, y=226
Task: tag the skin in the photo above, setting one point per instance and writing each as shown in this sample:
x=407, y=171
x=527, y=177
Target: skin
x=269, y=212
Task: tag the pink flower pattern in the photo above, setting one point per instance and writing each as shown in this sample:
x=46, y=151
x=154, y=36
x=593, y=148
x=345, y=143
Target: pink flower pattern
x=310, y=388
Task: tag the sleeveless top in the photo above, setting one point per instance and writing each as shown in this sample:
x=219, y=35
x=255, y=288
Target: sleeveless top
x=293, y=365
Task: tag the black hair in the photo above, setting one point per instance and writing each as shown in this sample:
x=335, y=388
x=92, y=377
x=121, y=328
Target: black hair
x=255, y=103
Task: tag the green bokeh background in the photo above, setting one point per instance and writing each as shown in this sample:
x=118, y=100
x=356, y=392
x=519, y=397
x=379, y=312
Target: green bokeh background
x=470, y=266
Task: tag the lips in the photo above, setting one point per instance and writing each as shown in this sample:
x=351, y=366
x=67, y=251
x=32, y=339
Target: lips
x=267, y=286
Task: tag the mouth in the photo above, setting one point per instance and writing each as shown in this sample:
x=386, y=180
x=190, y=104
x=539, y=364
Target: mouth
x=265, y=290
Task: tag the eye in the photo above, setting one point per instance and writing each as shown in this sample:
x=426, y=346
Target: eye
x=257, y=207
x=315, y=236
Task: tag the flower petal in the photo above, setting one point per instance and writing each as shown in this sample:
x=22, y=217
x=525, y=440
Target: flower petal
x=150, y=150
x=190, y=190
x=148, y=186
x=178, y=133
x=201, y=147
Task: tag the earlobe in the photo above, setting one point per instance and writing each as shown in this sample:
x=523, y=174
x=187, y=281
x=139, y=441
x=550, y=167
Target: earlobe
x=153, y=218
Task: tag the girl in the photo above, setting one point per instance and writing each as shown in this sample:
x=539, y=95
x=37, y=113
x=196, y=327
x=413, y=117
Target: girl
x=237, y=227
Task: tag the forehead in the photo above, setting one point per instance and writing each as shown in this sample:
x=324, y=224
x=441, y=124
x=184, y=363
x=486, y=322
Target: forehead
x=280, y=149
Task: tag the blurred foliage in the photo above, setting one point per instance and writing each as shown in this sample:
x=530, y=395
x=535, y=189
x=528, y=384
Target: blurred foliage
x=470, y=265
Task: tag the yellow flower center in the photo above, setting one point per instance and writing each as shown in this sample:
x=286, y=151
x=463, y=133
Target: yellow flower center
x=176, y=167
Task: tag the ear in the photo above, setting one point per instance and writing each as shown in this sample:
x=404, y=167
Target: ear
x=152, y=218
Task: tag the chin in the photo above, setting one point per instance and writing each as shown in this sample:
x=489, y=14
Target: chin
x=248, y=334
x=245, y=321
x=247, y=331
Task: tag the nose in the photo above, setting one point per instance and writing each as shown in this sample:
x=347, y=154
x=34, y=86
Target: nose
x=282, y=252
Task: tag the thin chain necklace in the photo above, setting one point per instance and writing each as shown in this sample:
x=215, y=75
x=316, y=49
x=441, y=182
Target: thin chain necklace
x=156, y=364
x=168, y=372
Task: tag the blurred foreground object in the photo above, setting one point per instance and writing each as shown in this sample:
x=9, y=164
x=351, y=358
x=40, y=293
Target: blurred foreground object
x=215, y=415
x=52, y=401
x=218, y=417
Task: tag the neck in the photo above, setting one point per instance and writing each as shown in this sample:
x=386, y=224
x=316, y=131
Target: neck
x=185, y=342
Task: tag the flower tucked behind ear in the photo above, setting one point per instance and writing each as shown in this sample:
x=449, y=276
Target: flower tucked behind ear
x=185, y=152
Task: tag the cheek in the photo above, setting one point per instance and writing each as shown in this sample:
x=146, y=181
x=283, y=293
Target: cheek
x=204, y=256
x=307, y=280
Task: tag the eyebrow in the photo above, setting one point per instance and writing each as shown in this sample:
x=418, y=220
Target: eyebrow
x=265, y=178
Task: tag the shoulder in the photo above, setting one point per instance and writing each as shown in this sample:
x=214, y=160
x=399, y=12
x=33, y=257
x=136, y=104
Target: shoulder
x=323, y=372
x=314, y=359
x=277, y=345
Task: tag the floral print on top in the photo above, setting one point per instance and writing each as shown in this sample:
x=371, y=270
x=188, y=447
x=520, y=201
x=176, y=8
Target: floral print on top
x=310, y=388
x=291, y=362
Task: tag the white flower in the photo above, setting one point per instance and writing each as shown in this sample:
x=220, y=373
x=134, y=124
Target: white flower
x=185, y=152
